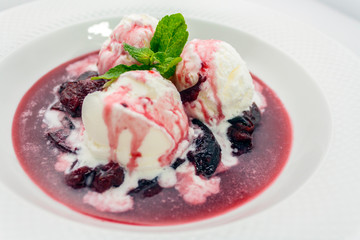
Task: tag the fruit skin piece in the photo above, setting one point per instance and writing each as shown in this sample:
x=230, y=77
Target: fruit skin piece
x=59, y=139
x=72, y=94
x=99, y=179
x=59, y=136
x=190, y=94
x=241, y=130
x=177, y=163
x=146, y=188
x=107, y=176
x=78, y=178
x=207, y=154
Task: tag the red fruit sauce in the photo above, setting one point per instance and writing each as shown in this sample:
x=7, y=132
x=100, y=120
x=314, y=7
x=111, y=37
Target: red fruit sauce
x=255, y=171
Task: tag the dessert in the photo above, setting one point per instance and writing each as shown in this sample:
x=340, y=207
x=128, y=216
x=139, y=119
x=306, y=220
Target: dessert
x=151, y=131
x=140, y=115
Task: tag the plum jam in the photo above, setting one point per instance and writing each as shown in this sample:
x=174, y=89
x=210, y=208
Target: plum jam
x=259, y=163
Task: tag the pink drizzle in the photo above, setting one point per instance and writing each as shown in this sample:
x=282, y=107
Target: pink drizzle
x=165, y=112
x=204, y=111
x=122, y=121
x=113, y=53
x=206, y=50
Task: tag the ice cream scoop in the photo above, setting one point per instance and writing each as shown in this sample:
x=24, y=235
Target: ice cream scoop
x=138, y=121
x=214, y=81
x=136, y=30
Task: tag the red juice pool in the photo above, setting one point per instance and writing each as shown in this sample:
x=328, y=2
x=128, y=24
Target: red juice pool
x=255, y=171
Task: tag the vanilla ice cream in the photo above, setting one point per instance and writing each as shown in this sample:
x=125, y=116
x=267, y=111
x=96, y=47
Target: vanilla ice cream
x=138, y=121
x=136, y=30
x=226, y=88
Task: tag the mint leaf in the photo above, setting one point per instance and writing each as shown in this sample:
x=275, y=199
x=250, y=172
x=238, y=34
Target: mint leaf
x=167, y=67
x=160, y=57
x=170, y=35
x=142, y=55
x=115, y=72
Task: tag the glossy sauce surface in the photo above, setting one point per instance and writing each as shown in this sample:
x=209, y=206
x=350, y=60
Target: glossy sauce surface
x=254, y=173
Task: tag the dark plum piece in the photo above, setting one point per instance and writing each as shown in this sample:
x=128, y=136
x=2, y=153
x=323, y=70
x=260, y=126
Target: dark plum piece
x=99, y=179
x=71, y=97
x=254, y=114
x=67, y=123
x=72, y=94
x=236, y=135
x=249, y=118
x=177, y=163
x=74, y=164
x=107, y=176
x=152, y=191
x=101, y=183
x=207, y=155
x=59, y=138
x=78, y=178
x=241, y=147
x=146, y=188
x=190, y=94
x=84, y=76
x=241, y=130
x=58, y=106
x=242, y=123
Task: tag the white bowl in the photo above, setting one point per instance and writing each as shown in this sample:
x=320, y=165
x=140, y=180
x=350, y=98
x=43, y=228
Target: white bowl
x=306, y=105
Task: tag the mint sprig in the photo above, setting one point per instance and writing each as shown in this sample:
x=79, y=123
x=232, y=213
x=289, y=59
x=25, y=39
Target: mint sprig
x=115, y=72
x=168, y=66
x=166, y=46
x=142, y=55
x=170, y=35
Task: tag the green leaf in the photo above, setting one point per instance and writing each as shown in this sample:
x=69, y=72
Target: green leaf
x=107, y=84
x=168, y=66
x=115, y=72
x=170, y=35
x=142, y=55
x=159, y=57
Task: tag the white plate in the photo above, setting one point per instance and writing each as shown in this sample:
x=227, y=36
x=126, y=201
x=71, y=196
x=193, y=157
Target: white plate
x=278, y=70
x=299, y=92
